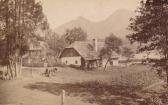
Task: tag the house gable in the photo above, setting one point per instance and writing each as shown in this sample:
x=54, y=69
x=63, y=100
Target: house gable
x=69, y=52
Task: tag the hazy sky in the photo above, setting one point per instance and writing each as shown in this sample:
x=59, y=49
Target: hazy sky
x=61, y=11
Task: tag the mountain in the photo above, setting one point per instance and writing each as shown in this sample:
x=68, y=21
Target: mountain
x=115, y=23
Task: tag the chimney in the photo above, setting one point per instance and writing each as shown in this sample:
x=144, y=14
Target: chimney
x=95, y=45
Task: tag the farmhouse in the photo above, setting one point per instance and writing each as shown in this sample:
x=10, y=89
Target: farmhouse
x=84, y=54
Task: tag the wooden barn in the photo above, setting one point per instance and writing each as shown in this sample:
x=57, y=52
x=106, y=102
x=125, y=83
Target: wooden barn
x=84, y=54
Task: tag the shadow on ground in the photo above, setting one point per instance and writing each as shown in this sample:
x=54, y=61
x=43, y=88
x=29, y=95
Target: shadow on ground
x=92, y=92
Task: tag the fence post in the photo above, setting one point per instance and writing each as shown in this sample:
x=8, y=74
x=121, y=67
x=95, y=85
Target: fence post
x=63, y=97
x=32, y=70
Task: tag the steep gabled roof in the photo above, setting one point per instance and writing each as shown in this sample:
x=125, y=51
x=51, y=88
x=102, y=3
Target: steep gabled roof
x=86, y=49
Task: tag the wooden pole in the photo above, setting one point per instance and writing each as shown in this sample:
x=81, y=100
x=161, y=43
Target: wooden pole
x=63, y=97
x=31, y=69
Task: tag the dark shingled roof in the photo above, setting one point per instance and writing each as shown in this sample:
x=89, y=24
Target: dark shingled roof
x=86, y=49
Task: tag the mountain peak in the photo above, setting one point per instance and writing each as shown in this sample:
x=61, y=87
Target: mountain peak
x=121, y=14
x=81, y=18
x=115, y=23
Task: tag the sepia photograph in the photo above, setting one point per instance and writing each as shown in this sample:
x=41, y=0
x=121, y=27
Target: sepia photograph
x=83, y=52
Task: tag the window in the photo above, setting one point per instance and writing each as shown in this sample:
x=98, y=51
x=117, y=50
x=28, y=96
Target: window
x=76, y=62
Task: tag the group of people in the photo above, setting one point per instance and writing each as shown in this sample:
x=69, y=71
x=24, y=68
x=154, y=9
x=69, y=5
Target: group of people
x=48, y=72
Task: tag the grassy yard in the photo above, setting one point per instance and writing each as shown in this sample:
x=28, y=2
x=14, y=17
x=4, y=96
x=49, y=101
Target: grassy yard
x=116, y=86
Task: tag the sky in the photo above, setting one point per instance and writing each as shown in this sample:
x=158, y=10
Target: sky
x=59, y=12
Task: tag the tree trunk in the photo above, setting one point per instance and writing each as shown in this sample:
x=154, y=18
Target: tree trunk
x=14, y=68
x=106, y=64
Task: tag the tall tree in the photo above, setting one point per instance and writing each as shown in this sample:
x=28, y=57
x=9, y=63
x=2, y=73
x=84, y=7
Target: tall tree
x=2, y=50
x=112, y=45
x=150, y=29
x=75, y=34
x=56, y=43
x=19, y=20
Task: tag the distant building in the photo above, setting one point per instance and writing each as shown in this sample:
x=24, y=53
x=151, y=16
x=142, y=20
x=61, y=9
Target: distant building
x=35, y=52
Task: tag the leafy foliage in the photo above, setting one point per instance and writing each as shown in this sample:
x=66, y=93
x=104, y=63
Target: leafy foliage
x=75, y=34
x=127, y=52
x=55, y=43
x=19, y=21
x=150, y=29
x=112, y=44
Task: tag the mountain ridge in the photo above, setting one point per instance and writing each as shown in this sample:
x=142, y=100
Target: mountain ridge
x=116, y=23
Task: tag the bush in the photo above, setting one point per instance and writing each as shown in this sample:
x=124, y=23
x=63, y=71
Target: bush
x=153, y=100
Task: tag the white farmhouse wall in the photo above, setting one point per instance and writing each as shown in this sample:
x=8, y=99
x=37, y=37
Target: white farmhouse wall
x=125, y=64
x=115, y=62
x=104, y=61
x=71, y=60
